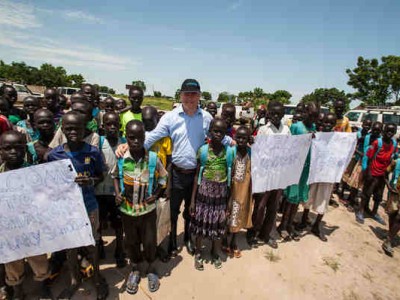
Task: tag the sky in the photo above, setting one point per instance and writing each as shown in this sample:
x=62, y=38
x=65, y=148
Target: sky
x=227, y=45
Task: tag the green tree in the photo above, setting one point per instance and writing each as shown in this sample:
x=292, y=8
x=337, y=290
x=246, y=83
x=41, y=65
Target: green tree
x=157, y=94
x=206, y=95
x=326, y=97
x=258, y=93
x=178, y=95
x=51, y=76
x=223, y=97
x=139, y=83
x=75, y=80
x=370, y=82
x=281, y=96
x=391, y=68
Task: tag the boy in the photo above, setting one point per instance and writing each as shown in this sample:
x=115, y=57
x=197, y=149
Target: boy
x=120, y=105
x=88, y=163
x=392, y=206
x=44, y=124
x=266, y=205
x=12, y=147
x=320, y=192
x=380, y=153
x=5, y=124
x=91, y=137
x=9, y=93
x=212, y=108
x=136, y=197
x=31, y=104
x=342, y=123
x=105, y=192
x=52, y=102
x=259, y=119
x=163, y=148
x=135, y=112
x=229, y=115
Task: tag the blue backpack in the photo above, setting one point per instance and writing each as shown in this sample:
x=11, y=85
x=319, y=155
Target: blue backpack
x=367, y=146
x=152, y=170
x=32, y=151
x=396, y=173
x=230, y=157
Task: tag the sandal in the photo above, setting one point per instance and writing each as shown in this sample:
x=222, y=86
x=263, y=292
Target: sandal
x=319, y=234
x=216, y=261
x=272, y=243
x=229, y=251
x=198, y=262
x=153, y=282
x=295, y=236
x=132, y=284
x=237, y=253
x=387, y=248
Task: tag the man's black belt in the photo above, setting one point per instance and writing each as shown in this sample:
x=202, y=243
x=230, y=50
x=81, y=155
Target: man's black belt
x=183, y=171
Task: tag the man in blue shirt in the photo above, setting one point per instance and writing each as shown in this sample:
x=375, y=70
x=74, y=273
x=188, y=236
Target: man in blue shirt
x=187, y=125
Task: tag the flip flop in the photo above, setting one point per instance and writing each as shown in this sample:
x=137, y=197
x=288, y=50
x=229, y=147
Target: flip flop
x=237, y=253
x=153, y=282
x=132, y=284
x=198, y=262
x=216, y=261
x=387, y=248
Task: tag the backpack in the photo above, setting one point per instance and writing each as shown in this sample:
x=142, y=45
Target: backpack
x=367, y=146
x=230, y=157
x=32, y=151
x=396, y=173
x=152, y=170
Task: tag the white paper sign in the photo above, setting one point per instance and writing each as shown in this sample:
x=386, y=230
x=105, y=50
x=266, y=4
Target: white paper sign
x=277, y=161
x=42, y=211
x=331, y=152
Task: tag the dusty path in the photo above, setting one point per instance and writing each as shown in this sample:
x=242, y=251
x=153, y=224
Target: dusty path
x=351, y=265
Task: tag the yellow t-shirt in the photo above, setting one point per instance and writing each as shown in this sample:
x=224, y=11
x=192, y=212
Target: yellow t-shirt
x=343, y=125
x=163, y=148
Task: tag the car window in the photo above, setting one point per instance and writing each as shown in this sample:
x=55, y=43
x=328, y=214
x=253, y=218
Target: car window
x=353, y=116
x=21, y=89
x=289, y=110
x=391, y=118
x=369, y=116
x=70, y=91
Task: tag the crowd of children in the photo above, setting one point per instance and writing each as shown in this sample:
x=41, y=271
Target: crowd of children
x=125, y=191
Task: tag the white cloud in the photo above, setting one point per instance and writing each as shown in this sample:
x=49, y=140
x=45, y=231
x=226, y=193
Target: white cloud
x=37, y=49
x=81, y=16
x=235, y=5
x=18, y=15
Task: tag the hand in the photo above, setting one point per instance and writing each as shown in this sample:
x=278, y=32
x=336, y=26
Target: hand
x=121, y=150
x=313, y=135
x=150, y=199
x=84, y=180
x=192, y=208
x=233, y=143
x=392, y=189
x=118, y=199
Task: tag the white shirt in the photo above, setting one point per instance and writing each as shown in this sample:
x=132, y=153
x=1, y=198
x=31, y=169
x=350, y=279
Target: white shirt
x=270, y=128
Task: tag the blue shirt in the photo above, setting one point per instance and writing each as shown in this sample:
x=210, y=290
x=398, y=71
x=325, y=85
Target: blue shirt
x=88, y=162
x=188, y=134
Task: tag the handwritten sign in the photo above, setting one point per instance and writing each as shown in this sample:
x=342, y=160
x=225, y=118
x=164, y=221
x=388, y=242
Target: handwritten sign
x=42, y=211
x=277, y=161
x=331, y=152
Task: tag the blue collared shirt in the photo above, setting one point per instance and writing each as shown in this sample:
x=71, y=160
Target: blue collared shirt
x=188, y=134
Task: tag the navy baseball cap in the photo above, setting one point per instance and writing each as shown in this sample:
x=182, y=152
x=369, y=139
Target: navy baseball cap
x=190, y=85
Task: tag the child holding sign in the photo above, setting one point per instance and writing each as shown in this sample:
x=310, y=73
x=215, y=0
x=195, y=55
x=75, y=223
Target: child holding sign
x=298, y=193
x=12, y=147
x=137, y=189
x=320, y=192
x=88, y=163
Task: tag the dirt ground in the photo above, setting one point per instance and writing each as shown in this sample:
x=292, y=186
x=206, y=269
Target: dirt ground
x=351, y=265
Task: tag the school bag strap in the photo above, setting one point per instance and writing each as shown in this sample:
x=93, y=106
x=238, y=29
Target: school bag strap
x=120, y=164
x=101, y=142
x=32, y=151
x=364, y=161
x=396, y=173
x=152, y=171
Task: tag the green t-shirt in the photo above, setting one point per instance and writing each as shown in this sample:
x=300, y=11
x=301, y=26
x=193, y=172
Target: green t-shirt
x=215, y=168
x=126, y=117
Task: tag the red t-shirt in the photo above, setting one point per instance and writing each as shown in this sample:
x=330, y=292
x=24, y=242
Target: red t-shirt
x=5, y=124
x=382, y=160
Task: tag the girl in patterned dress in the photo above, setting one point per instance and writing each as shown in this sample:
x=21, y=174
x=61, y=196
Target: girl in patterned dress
x=210, y=194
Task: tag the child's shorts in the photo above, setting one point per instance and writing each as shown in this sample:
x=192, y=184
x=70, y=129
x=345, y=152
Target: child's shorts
x=15, y=271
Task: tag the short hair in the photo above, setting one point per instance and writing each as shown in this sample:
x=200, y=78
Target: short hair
x=228, y=105
x=77, y=96
x=274, y=103
x=20, y=135
x=215, y=120
x=73, y=113
x=390, y=124
x=149, y=108
x=8, y=86
x=109, y=114
x=29, y=98
x=41, y=111
x=4, y=100
x=243, y=127
x=339, y=100
x=135, y=88
x=132, y=123
x=86, y=103
x=330, y=114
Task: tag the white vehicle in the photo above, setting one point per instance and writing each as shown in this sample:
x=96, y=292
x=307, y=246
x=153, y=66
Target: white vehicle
x=384, y=115
x=103, y=96
x=291, y=108
x=67, y=91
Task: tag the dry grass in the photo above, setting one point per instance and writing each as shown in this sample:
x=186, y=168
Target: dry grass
x=271, y=256
x=351, y=295
x=332, y=262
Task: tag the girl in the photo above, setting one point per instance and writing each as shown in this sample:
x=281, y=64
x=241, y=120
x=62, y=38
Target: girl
x=240, y=203
x=298, y=193
x=210, y=194
x=320, y=192
x=31, y=104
